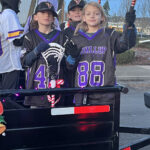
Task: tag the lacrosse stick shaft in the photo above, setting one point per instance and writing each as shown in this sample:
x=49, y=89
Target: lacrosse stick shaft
x=132, y=5
x=131, y=10
x=51, y=98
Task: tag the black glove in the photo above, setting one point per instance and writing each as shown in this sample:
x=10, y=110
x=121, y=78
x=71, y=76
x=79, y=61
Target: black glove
x=18, y=42
x=130, y=18
x=72, y=49
x=41, y=48
x=31, y=57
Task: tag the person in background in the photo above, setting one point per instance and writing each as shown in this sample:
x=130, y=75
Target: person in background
x=41, y=62
x=92, y=53
x=10, y=48
x=75, y=16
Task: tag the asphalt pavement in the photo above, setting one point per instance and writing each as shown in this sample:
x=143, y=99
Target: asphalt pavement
x=133, y=112
x=137, y=76
x=133, y=72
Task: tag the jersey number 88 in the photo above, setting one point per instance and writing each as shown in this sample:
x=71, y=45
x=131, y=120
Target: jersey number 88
x=91, y=73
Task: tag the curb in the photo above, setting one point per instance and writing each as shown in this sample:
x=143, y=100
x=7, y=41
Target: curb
x=133, y=78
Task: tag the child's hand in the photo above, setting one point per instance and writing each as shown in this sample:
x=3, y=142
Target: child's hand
x=43, y=46
x=130, y=18
x=72, y=49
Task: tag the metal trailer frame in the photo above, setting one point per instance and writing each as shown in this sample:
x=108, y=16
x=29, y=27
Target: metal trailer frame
x=138, y=143
x=141, y=142
x=99, y=130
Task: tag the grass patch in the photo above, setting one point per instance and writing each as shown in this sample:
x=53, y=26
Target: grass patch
x=126, y=57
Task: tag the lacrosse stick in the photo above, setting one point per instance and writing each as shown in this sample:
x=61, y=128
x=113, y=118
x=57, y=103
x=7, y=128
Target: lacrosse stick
x=55, y=52
x=130, y=14
x=99, y=1
x=51, y=98
x=132, y=5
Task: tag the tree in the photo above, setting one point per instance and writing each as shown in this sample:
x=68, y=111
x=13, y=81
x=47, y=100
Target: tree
x=143, y=11
x=60, y=4
x=124, y=7
x=148, y=8
x=61, y=7
x=32, y=6
x=106, y=8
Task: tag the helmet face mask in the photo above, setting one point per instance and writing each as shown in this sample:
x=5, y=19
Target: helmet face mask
x=12, y=4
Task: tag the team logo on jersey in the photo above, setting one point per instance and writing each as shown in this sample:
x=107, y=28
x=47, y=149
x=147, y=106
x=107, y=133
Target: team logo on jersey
x=77, y=1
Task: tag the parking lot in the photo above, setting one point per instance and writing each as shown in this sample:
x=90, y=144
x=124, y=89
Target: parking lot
x=133, y=112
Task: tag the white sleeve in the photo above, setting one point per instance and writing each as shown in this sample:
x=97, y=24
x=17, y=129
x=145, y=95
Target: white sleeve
x=11, y=26
x=0, y=26
x=0, y=31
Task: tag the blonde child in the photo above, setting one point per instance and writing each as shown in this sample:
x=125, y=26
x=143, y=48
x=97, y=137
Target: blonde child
x=92, y=52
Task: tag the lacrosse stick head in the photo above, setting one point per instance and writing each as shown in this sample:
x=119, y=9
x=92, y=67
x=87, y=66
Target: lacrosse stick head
x=53, y=57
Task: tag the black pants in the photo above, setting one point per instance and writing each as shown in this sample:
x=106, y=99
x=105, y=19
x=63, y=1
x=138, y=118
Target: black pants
x=9, y=80
x=69, y=83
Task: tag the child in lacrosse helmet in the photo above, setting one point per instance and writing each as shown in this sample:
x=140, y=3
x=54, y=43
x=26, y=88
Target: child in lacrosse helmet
x=43, y=54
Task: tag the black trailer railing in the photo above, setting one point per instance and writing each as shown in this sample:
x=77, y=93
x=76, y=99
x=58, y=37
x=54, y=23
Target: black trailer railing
x=86, y=127
x=95, y=128
x=25, y=92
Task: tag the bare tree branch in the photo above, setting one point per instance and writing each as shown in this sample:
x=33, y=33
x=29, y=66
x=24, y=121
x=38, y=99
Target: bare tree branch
x=124, y=7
